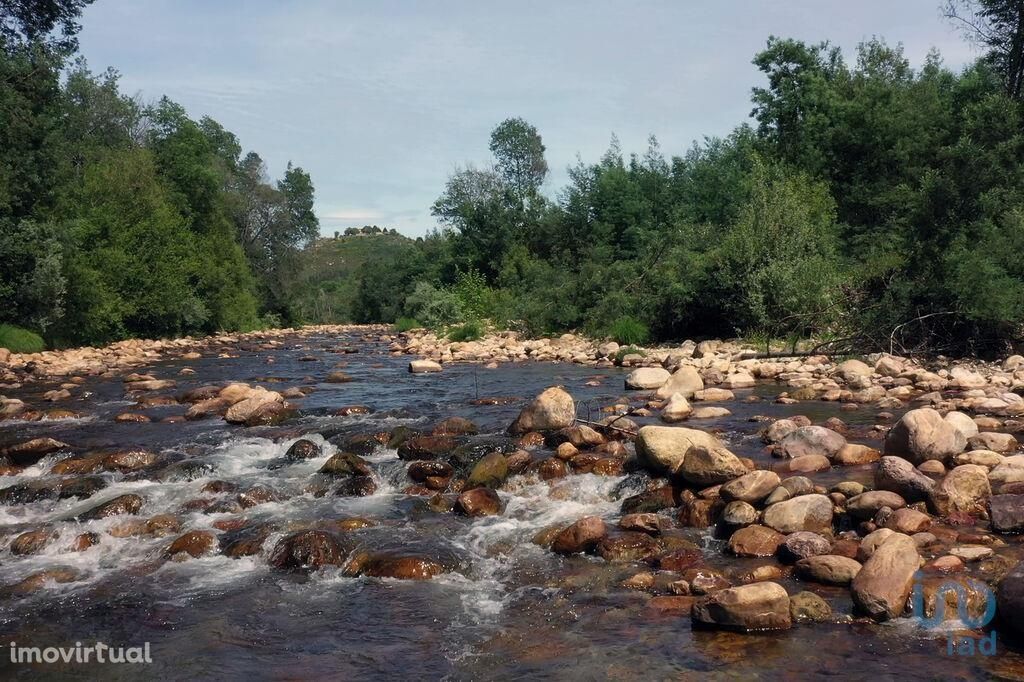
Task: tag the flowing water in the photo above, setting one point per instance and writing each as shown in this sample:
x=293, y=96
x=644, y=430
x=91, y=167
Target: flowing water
x=508, y=609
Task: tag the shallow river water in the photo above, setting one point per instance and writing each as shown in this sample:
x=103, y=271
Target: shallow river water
x=508, y=609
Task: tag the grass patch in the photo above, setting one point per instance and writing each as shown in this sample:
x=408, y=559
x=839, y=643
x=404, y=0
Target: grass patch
x=629, y=331
x=404, y=324
x=472, y=330
x=18, y=340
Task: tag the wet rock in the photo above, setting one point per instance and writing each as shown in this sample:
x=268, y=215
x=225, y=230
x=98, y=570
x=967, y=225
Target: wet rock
x=642, y=522
x=964, y=489
x=31, y=451
x=853, y=454
x=752, y=487
x=270, y=414
x=123, y=504
x=806, y=512
x=456, y=426
x=244, y=410
x=302, y=449
x=662, y=449
x=923, y=434
x=162, y=524
x=1007, y=513
x=699, y=512
x=1010, y=599
x=680, y=560
x=582, y=536
x=552, y=410
x=346, y=464
x=307, y=550
x=883, y=584
x=909, y=521
x=491, y=471
x=747, y=608
x=552, y=468
x=207, y=408
x=624, y=547
x=996, y=442
x=257, y=495
x=866, y=505
x=811, y=440
x=579, y=436
x=708, y=466
x=84, y=541
x=705, y=580
x=129, y=460
x=738, y=513
x=193, y=544
x=32, y=542
x=685, y=381
x=655, y=500
x=830, y=569
x=245, y=541
x=808, y=464
x=426, y=447
x=423, y=366
x=420, y=471
x=804, y=544
x=755, y=541
x=899, y=476
x=778, y=430
x=479, y=502
x=40, y=579
x=356, y=486
x=401, y=567
x=338, y=378
x=807, y=607
x=676, y=409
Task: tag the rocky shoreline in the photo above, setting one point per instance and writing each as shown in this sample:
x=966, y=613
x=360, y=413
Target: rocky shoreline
x=938, y=499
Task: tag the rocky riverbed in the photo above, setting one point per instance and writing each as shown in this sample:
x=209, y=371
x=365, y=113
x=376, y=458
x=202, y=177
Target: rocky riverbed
x=345, y=501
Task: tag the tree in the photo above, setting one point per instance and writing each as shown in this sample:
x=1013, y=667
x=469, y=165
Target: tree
x=519, y=151
x=33, y=21
x=998, y=26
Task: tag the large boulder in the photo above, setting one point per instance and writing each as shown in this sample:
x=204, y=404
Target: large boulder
x=811, y=440
x=747, y=608
x=923, y=434
x=424, y=366
x=491, y=471
x=806, y=512
x=685, y=381
x=676, y=409
x=884, y=582
x=964, y=489
x=866, y=505
x=646, y=378
x=552, y=410
x=902, y=477
x=258, y=401
x=479, y=502
x=755, y=541
x=851, y=370
x=307, y=550
x=581, y=536
x=830, y=569
x=1007, y=513
x=661, y=449
x=710, y=466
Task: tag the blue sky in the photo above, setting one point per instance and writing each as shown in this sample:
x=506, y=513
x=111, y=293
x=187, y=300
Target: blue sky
x=381, y=101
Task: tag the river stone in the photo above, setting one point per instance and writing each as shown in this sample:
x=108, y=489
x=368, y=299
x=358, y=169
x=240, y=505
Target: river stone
x=302, y=449
x=853, y=454
x=752, y=487
x=900, y=476
x=923, y=434
x=32, y=542
x=830, y=569
x=811, y=440
x=346, y=464
x=244, y=410
x=884, y=582
x=644, y=522
x=807, y=607
x=581, y=536
x=747, y=608
x=805, y=464
x=423, y=366
x=479, y=502
x=806, y=512
x=964, y=489
x=31, y=451
x=676, y=409
x=552, y=410
x=778, y=430
x=710, y=466
x=755, y=541
x=738, y=513
x=872, y=541
x=804, y=544
x=662, y=449
x=685, y=381
x=1010, y=599
x=985, y=458
x=194, y=544
x=123, y=504
x=1007, y=513
x=996, y=442
x=627, y=547
x=491, y=471
x=709, y=412
x=866, y=505
x=853, y=369
x=400, y=567
x=307, y=550
x=645, y=378
x=909, y=521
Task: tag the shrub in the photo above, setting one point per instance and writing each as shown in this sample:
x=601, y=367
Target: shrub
x=433, y=306
x=472, y=330
x=18, y=340
x=629, y=330
x=628, y=350
x=404, y=324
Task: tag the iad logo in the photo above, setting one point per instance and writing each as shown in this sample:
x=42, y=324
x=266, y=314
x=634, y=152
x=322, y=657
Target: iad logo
x=962, y=594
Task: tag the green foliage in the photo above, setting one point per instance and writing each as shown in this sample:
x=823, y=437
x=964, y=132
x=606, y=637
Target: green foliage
x=471, y=330
x=630, y=331
x=629, y=350
x=18, y=340
x=404, y=324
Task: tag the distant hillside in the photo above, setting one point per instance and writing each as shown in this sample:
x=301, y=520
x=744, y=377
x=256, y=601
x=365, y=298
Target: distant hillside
x=330, y=272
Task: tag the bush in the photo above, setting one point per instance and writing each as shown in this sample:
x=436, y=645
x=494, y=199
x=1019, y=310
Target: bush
x=404, y=324
x=629, y=331
x=473, y=330
x=435, y=307
x=18, y=340
x=628, y=350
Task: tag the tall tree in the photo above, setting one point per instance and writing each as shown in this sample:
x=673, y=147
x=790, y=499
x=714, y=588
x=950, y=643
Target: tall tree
x=519, y=151
x=998, y=26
